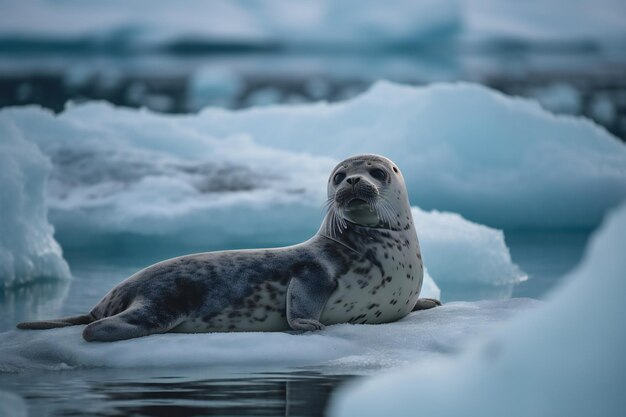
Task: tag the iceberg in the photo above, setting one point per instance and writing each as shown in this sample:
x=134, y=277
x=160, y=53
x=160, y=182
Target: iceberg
x=339, y=348
x=241, y=24
x=457, y=251
x=565, y=357
x=496, y=160
x=28, y=250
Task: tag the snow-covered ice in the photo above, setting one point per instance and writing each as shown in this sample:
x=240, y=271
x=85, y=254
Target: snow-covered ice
x=430, y=289
x=28, y=251
x=464, y=148
x=462, y=252
x=340, y=348
x=565, y=358
x=496, y=160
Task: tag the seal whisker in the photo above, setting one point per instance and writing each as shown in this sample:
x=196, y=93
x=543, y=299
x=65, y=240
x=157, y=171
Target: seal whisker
x=363, y=266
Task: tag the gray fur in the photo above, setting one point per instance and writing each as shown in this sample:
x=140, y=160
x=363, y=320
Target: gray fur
x=363, y=266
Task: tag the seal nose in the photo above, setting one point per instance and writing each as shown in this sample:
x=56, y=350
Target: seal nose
x=353, y=180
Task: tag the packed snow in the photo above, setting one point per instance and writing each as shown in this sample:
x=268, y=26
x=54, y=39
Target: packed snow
x=339, y=348
x=28, y=250
x=463, y=148
x=566, y=356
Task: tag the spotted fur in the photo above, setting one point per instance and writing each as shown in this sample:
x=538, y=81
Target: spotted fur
x=363, y=266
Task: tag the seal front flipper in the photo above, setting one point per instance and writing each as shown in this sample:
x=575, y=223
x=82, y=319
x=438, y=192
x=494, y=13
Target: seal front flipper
x=307, y=295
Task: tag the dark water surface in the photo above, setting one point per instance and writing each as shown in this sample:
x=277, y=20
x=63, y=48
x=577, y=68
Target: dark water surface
x=173, y=392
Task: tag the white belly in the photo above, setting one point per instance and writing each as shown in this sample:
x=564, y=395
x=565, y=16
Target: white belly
x=379, y=299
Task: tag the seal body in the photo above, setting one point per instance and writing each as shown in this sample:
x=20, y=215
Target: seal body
x=363, y=266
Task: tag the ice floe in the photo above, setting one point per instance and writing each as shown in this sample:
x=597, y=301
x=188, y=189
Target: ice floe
x=457, y=251
x=496, y=160
x=464, y=148
x=28, y=250
x=566, y=357
x=344, y=347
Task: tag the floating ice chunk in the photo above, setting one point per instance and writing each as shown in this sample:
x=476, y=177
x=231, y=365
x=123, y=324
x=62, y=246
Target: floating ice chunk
x=147, y=174
x=28, y=251
x=350, y=348
x=461, y=252
x=429, y=288
x=565, y=358
x=463, y=148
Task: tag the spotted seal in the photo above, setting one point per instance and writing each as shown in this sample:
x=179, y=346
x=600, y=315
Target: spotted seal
x=363, y=266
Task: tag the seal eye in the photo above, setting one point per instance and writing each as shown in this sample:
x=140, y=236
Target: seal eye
x=379, y=174
x=338, y=177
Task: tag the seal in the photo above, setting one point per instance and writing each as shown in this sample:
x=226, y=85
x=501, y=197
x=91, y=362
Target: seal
x=363, y=266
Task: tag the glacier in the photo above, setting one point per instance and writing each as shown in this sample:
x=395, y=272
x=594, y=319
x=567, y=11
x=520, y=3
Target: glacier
x=28, y=250
x=567, y=355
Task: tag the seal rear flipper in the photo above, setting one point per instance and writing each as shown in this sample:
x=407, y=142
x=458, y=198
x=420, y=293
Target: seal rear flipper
x=135, y=322
x=51, y=324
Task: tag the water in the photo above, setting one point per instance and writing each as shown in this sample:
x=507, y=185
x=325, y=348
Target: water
x=174, y=392
x=545, y=256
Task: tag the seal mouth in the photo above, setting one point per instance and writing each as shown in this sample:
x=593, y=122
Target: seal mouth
x=358, y=204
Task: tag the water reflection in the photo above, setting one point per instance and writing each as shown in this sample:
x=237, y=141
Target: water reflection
x=30, y=302
x=142, y=393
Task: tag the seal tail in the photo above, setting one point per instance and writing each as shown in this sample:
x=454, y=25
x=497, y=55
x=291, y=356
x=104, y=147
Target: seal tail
x=62, y=322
